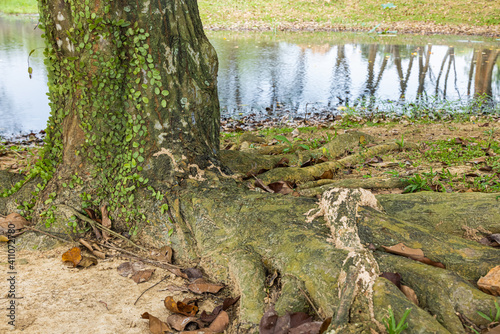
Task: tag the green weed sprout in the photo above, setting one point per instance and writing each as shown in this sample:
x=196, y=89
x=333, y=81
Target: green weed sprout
x=390, y=322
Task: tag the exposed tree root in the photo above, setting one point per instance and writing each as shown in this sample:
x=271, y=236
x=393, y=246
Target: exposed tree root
x=240, y=237
x=248, y=161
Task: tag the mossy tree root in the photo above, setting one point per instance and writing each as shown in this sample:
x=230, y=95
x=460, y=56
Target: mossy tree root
x=264, y=233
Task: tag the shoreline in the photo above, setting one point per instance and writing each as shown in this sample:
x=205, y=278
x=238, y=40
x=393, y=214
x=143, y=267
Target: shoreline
x=400, y=27
x=415, y=28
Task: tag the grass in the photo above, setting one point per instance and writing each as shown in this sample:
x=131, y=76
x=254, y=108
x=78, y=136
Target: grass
x=362, y=14
x=344, y=12
x=19, y=6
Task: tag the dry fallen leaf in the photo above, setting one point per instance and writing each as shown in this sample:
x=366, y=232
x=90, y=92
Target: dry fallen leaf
x=12, y=223
x=156, y=326
x=261, y=185
x=401, y=249
x=268, y=322
x=200, y=286
x=87, y=262
x=193, y=273
x=409, y=293
x=179, y=321
x=164, y=254
x=127, y=269
x=74, y=255
x=412, y=253
x=142, y=275
x=220, y=324
x=281, y=187
x=491, y=282
x=189, y=310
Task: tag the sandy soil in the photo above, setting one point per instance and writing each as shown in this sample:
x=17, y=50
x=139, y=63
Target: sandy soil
x=57, y=299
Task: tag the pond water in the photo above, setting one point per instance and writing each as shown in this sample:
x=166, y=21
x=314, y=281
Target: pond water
x=288, y=73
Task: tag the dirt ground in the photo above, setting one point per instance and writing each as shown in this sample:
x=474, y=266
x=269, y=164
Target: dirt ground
x=57, y=299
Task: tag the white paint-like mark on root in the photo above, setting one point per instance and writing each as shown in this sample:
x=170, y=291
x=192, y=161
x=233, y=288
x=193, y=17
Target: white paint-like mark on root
x=339, y=206
x=169, y=153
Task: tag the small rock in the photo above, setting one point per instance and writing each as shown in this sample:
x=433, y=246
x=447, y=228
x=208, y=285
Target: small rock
x=491, y=282
x=295, y=133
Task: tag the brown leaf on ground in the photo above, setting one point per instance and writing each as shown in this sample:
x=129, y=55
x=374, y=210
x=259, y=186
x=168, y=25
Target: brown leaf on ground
x=327, y=175
x=308, y=163
x=87, y=262
x=179, y=322
x=307, y=328
x=193, y=273
x=401, y=249
x=178, y=272
x=74, y=255
x=495, y=237
x=412, y=253
x=220, y=323
x=163, y=254
x=261, y=185
x=282, y=163
x=281, y=187
x=208, y=318
x=90, y=213
x=268, y=322
x=395, y=278
x=127, y=269
x=325, y=325
x=485, y=168
x=299, y=318
x=142, y=275
x=156, y=326
x=409, y=293
x=200, y=286
x=189, y=310
x=375, y=159
x=13, y=221
x=491, y=282
x=494, y=330
x=478, y=160
x=106, y=222
x=228, y=302
x=3, y=238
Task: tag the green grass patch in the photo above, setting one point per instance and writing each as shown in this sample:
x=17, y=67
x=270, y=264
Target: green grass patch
x=19, y=6
x=357, y=14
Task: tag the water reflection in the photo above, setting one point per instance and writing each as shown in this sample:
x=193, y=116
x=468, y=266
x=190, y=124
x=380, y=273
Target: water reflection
x=273, y=76
x=269, y=74
x=23, y=103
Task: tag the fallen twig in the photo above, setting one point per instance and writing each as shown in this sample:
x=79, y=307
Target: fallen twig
x=312, y=305
x=152, y=286
x=29, y=228
x=158, y=264
x=96, y=224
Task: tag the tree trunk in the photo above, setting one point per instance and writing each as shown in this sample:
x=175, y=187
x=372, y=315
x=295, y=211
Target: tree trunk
x=135, y=126
x=133, y=94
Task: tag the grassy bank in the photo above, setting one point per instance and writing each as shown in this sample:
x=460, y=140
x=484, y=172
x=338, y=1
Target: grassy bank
x=18, y=6
x=422, y=16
